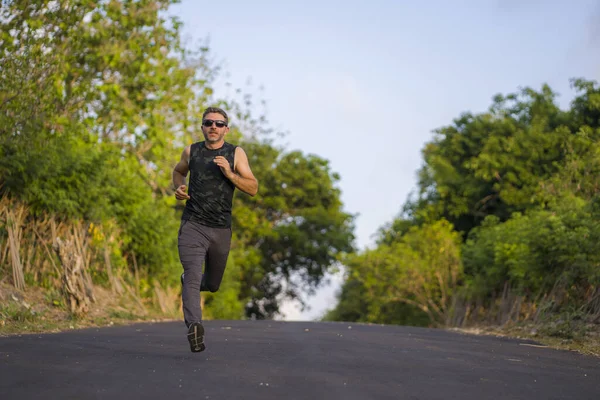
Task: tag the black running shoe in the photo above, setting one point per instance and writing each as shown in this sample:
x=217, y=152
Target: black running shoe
x=196, y=337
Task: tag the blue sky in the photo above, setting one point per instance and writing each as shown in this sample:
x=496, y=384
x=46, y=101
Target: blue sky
x=364, y=84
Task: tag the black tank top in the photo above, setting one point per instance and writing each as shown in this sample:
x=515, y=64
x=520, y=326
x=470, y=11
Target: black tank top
x=211, y=193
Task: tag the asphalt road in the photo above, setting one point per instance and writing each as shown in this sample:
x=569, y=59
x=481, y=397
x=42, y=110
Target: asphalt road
x=288, y=360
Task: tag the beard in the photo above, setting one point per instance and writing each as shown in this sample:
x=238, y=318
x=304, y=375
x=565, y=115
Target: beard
x=213, y=137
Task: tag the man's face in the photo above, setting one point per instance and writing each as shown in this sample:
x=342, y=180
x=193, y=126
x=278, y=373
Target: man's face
x=216, y=129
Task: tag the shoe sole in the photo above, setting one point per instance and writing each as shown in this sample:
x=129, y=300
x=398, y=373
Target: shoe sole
x=196, y=338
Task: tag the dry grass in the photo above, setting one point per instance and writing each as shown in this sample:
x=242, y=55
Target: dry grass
x=38, y=310
x=57, y=258
x=561, y=334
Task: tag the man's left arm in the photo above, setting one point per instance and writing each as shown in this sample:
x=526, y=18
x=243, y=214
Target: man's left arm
x=242, y=176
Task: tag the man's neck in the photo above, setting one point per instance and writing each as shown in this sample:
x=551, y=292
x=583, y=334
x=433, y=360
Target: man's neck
x=214, y=146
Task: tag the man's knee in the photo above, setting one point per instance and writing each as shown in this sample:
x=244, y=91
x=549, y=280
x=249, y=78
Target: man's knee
x=212, y=288
x=209, y=287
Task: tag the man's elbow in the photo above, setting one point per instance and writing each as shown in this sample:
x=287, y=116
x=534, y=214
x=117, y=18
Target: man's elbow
x=254, y=190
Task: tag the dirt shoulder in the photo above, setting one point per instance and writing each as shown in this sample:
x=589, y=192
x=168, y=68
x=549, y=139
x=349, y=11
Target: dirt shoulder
x=39, y=310
x=574, y=335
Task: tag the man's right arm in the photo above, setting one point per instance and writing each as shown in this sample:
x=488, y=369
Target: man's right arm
x=179, y=173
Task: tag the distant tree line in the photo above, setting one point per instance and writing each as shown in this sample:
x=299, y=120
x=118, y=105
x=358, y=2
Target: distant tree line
x=504, y=226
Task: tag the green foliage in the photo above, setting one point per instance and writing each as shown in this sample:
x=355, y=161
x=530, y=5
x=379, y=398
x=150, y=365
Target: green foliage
x=533, y=252
x=17, y=312
x=87, y=148
x=519, y=183
x=421, y=269
x=98, y=101
x=354, y=307
x=493, y=163
x=294, y=228
x=225, y=304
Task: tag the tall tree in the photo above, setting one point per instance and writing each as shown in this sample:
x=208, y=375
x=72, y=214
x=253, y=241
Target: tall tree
x=296, y=227
x=421, y=269
x=491, y=164
x=519, y=182
x=99, y=99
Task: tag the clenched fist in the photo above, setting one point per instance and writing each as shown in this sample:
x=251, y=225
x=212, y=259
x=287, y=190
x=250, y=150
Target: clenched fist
x=224, y=165
x=180, y=193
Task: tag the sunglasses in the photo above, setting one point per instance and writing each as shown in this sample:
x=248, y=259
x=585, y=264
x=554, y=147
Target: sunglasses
x=209, y=122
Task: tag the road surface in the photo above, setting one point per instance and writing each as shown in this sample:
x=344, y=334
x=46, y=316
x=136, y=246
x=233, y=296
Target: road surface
x=288, y=360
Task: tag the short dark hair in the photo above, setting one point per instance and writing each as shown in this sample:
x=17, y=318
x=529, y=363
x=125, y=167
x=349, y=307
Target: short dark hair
x=216, y=110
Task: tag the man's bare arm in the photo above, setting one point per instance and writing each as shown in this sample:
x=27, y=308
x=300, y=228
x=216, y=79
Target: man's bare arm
x=242, y=176
x=179, y=173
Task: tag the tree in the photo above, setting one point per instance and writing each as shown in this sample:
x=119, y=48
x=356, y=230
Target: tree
x=491, y=164
x=423, y=268
x=100, y=98
x=294, y=229
x=519, y=183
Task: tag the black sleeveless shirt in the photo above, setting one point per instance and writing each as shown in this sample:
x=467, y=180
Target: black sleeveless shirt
x=211, y=193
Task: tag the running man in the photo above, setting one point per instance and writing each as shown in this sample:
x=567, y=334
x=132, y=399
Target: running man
x=216, y=169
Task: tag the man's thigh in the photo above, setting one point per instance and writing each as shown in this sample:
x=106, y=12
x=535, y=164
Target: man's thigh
x=216, y=259
x=193, y=245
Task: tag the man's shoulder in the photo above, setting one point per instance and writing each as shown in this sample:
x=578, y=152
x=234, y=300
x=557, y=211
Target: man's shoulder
x=230, y=148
